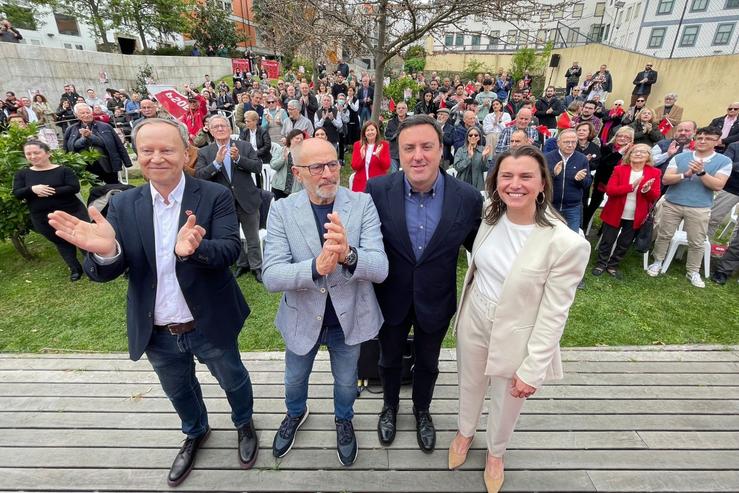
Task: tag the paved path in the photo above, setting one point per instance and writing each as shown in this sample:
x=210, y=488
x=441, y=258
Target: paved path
x=623, y=419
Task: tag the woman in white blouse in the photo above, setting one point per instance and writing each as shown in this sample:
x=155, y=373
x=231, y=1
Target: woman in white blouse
x=494, y=123
x=371, y=156
x=524, y=271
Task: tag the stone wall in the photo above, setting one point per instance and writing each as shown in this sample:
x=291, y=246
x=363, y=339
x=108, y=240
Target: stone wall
x=29, y=67
x=705, y=85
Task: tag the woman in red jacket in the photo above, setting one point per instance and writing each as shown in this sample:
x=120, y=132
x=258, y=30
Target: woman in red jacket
x=632, y=190
x=371, y=156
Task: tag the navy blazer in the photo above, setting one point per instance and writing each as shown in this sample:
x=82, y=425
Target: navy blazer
x=207, y=284
x=429, y=284
x=566, y=191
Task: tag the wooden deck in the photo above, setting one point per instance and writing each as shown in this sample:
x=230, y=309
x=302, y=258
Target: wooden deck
x=625, y=419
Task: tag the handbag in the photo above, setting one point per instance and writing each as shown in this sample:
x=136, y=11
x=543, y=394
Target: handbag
x=643, y=238
x=369, y=357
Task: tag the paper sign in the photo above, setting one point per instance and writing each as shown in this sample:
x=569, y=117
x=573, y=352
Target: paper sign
x=175, y=103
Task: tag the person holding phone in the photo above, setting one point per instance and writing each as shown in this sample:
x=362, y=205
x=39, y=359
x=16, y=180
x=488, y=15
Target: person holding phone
x=632, y=190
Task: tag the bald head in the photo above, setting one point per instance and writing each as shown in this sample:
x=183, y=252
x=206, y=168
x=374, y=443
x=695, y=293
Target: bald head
x=321, y=182
x=469, y=118
x=312, y=151
x=523, y=118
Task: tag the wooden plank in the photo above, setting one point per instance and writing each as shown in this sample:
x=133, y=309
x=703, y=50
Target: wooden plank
x=373, y=404
x=276, y=480
x=645, y=356
x=368, y=422
x=314, y=439
x=398, y=459
x=667, y=481
x=698, y=440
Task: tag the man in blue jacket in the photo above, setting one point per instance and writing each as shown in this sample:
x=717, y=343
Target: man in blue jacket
x=176, y=236
x=570, y=177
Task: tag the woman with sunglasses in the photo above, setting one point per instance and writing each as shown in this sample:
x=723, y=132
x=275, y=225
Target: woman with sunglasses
x=471, y=161
x=633, y=113
x=645, y=128
x=612, y=120
x=632, y=190
x=274, y=115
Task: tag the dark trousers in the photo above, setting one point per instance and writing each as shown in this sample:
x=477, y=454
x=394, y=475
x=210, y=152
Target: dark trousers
x=569, y=87
x=251, y=249
x=596, y=197
x=66, y=250
x=279, y=194
x=623, y=240
x=425, y=370
x=107, y=177
x=730, y=260
x=172, y=359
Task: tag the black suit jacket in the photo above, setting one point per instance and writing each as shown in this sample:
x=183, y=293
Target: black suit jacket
x=646, y=87
x=429, y=284
x=242, y=185
x=361, y=96
x=207, y=284
x=264, y=142
x=733, y=132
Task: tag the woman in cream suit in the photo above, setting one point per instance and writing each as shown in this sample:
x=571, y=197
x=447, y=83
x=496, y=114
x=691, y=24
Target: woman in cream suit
x=523, y=275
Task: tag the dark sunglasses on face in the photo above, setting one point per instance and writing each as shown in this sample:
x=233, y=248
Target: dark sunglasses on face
x=732, y=109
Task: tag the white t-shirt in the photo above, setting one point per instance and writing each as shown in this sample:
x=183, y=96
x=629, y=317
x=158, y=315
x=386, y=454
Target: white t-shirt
x=253, y=139
x=495, y=257
x=367, y=157
x=630, y=206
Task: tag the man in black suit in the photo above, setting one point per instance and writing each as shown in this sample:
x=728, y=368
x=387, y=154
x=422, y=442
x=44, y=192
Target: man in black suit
x=176, y=237
x=643, y=83
x=426, y=216
x=231, y=163
x=729, y=126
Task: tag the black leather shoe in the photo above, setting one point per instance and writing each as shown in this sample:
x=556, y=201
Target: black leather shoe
x=346, y=442
x=257, y=275
x=248, y=445
x=185, y=459
x=425, y=431
x=75, y=276
x=719, y=278
x=240, y=271
x=386, y=425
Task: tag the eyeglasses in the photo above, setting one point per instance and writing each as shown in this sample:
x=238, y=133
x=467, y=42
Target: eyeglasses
x=270, y=102
x=732, y=109
x=639, y=152
x=705, y=138
x=218, y=127
x=617, y=104
x=640, y=100
x=474, y=135
x=317, y=168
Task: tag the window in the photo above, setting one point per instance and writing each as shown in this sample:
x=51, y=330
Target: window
x=494, y=39
x=723, y=34
x=577, y=10
x=511, y=38
x=732, y=4
x=558, y=13
x=699, y=6
x=476, y=38
x=608, y=31
x=459, y=40
x=523, y=37
x=596, y=32
x=600, y=9
x=628, y=13
x=636, y=10
x=449, y=40
x=552, y=35
x=68, y=46
x=665, y=7
x=690, y=35
x=36, y=42
x=618, y=17
x=66, y=24
x=541, y=36
x=657, y=37
x=573, y=36
x=79, y=47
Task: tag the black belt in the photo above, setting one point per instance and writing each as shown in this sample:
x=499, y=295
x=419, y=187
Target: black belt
x=177, y=329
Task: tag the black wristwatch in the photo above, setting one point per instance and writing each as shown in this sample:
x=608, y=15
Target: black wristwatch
x=351, y=257
x=701, y=173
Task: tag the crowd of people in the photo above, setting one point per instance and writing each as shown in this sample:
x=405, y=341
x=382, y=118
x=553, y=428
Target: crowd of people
x=485, y=165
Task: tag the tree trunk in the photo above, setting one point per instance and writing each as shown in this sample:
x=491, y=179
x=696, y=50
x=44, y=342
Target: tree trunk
x=380, y=60
x=140, y=29
x=20, y=246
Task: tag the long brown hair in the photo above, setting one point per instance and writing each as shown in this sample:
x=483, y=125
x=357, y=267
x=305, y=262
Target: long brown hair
x=496, y=208
x=363, y=136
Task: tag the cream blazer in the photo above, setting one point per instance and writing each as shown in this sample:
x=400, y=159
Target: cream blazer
x=534, y=304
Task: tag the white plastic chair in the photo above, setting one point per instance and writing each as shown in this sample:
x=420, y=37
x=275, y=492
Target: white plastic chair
x=267, y=173
x=123, y=175
x=452, y=172
x=732, y=220
x=351, y=180
x=680, y=238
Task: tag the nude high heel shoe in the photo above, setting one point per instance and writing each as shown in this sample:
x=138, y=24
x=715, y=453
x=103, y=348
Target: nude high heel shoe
x=493, y=485
x=456, y=459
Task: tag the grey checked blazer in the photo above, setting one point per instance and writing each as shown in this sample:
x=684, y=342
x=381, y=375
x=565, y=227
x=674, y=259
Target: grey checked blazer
x=293, y=242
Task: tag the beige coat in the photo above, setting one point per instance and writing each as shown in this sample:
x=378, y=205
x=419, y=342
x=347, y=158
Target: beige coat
x=675, y=116
x=534, y=304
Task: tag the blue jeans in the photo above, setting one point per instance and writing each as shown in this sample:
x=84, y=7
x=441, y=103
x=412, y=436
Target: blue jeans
x=172, y=359
x=344, y=360
x=365, y=114
x=573, y=216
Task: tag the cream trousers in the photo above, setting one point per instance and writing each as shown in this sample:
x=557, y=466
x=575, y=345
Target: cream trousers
x=473, y=336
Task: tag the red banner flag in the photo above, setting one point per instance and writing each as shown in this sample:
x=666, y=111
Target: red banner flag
x=175, y=103
x=240, y=64
x=272, y=67
x=664, y=126
x=391, y=106
x=542, y=129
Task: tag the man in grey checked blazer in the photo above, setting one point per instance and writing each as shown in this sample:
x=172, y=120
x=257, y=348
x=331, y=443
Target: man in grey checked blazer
x=324, y=250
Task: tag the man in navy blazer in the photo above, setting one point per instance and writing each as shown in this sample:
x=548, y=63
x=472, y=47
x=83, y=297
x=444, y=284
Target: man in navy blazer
x=426, y=216
x=176, y=237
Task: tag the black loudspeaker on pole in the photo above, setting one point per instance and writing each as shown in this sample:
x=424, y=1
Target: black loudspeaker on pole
x=554, y=62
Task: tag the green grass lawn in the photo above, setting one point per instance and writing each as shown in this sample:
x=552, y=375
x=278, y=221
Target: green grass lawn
x=42, y=311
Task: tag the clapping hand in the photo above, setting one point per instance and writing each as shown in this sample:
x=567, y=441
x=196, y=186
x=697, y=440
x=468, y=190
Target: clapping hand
x=487, y=151
x=96, y=237
x=43, y=190
x=635, y=183
x=189, y=237
x=558, y=168
x=377, y=150
x=85, y=132
x=580, y=176
x=234, y=154
x=695, y=167
x=363, y=151
x=647, y=185
x=335, y=236
x=221, y=154
x=672, y=149
x=521, y=389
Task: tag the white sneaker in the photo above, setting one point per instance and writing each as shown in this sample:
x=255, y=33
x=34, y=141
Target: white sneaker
x=653, y=269
x=695, y=279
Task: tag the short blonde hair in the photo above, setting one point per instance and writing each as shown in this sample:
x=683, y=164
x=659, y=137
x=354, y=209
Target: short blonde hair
x=644, y=147
x=251, y=115
x=622, y=130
